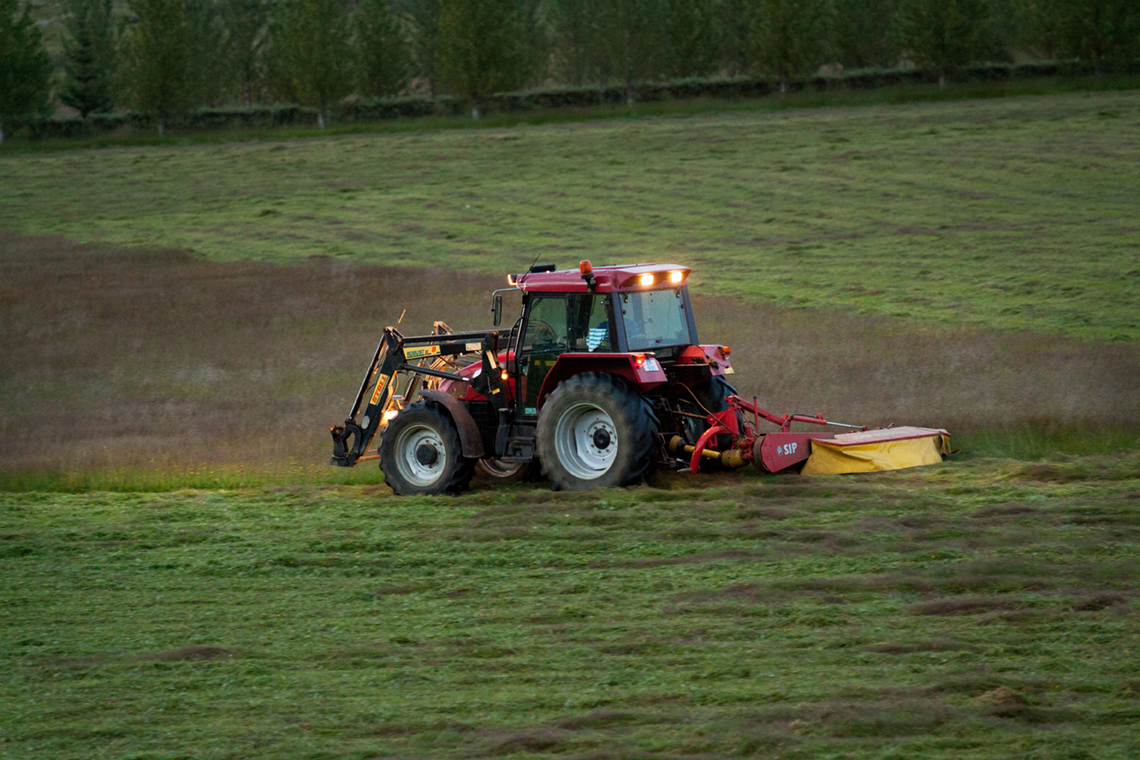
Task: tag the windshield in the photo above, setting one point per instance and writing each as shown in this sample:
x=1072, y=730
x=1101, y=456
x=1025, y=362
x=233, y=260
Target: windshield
x=654, y=319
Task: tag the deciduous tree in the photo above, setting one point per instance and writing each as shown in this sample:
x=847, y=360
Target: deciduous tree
x=425, y=39
x=245, y=23
x=692, y=38
x=89, y=57
x=866, y=33
x=25, y=69
x=210, y=71
x=311, y=57
x=633, y=44
x=483, y=48
x=736, y=21
x=157, y=53
x=944, y=35
x=577, y=33
x=1104, y=35
x=383, y=58
x=790, y=36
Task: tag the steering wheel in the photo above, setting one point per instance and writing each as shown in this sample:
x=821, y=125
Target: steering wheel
x=542, y=332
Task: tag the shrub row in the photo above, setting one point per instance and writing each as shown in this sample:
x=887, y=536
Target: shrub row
x=381, y=109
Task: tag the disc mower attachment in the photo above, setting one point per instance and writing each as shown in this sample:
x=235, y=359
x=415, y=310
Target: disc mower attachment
x=874, y=450
x=774, y=452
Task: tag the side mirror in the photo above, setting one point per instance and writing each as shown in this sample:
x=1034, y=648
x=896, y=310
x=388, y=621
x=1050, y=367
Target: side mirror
x=497, y=309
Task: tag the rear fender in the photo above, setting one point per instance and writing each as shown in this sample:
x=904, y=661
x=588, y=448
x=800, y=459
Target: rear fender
x=718, y=360
x=696, y=364
x=469, y=439
x=622, y=365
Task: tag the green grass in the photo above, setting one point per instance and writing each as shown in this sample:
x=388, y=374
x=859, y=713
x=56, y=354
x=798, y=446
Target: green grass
x=857, y=617
x=1015, y=213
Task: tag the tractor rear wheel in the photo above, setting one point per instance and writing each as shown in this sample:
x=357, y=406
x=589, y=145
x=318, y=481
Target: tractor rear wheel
x=421, y=453
x=595, y=431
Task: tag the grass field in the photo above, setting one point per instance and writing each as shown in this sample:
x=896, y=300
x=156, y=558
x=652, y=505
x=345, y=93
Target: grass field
x=185, y=577
x=153, y=370
x=1015, y=213
x=982, y=610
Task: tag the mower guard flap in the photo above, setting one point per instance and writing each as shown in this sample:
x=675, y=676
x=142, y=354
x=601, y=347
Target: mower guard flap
x=874, y=450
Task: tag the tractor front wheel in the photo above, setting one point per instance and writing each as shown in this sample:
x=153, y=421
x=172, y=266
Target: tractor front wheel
x=421, y=454
x=595, y=431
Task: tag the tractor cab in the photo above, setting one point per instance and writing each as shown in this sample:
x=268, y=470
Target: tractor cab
x=589, y=315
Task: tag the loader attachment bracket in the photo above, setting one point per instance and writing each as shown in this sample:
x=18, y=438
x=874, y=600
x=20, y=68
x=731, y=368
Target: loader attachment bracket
x=343, y=453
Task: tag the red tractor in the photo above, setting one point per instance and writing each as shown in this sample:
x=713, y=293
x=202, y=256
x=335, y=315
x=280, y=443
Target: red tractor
x=601, y=378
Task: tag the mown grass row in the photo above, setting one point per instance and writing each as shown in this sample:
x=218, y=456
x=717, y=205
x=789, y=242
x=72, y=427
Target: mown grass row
x=982, y=610
x=151, y=370
x=1024, y=444
x=1014, y=213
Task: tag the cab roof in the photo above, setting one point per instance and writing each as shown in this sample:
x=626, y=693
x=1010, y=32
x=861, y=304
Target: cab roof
x=608, y=279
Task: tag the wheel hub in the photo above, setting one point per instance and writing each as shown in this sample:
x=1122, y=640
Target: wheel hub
x=585, y=439
x=426, y=454
x=420, y=455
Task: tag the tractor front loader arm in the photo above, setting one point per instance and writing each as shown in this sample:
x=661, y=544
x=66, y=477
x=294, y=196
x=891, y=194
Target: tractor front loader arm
x=394, y=354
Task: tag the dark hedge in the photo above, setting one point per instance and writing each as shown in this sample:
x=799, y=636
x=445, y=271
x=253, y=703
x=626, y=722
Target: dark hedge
x=383, y=109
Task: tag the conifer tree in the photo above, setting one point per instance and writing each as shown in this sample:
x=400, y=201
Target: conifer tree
x=89, y=57
x=25, y=69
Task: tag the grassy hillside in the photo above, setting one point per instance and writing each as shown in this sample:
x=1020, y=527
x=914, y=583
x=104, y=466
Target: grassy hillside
x=1016, y=213
x=961, y=611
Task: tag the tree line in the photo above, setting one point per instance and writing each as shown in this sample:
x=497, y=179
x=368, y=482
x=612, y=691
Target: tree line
x=170, y=57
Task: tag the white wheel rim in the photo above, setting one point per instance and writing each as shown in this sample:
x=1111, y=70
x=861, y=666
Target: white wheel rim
x=412, y=469
x=576, y=441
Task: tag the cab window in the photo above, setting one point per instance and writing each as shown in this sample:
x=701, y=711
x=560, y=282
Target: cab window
x=589, y=323
x=654, y=319
x=546, y=326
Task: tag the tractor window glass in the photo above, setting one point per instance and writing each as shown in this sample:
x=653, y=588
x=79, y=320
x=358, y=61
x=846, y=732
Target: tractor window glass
x=654, y=319
x=589, y=323
x=546, y=326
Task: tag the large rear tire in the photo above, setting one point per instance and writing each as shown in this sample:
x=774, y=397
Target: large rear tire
x=595, y=431
x=421, y=453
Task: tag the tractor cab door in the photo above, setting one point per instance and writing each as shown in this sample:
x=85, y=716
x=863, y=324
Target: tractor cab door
x=557, y=324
